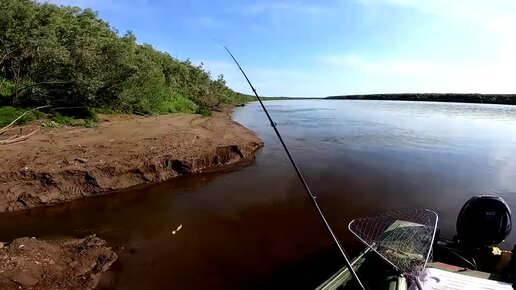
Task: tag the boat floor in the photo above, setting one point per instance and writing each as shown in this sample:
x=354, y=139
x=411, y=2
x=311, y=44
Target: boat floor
x=377, y=274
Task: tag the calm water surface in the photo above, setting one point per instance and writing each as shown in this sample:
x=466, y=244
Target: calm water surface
x=253, y=228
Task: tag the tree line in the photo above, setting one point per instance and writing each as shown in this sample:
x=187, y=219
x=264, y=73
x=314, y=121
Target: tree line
x=508, y=99
x=68, y=57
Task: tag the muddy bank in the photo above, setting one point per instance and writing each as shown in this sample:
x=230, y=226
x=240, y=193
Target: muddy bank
x=62, y=164
x=27, y=263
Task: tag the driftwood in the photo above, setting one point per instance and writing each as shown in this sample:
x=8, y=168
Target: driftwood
x=18, y=137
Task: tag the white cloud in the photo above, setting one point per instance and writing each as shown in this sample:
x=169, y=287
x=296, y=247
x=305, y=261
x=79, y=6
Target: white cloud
x=390, y=67
x=497, y=14
x=431, y=75
x=486, y=66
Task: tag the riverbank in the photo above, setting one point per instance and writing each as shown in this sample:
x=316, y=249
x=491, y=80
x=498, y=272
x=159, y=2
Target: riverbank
x=61, y=164
x=28, y=263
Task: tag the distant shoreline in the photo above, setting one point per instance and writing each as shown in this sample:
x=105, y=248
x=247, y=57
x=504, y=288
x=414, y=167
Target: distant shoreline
x=503, y=99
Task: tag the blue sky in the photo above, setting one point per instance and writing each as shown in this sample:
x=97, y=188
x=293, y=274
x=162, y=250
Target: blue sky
x=321, y=48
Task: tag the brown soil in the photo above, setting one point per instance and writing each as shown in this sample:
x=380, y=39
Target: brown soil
x=27, y=263
x=61, y=164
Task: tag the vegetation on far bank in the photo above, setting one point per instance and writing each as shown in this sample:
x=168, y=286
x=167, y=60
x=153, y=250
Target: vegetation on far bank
x=68, y=58
x=508, y=99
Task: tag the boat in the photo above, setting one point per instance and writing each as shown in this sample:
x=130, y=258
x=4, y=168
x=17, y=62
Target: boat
x=405, y=251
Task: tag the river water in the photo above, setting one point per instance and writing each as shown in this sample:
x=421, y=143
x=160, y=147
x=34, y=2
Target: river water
x=253, y=227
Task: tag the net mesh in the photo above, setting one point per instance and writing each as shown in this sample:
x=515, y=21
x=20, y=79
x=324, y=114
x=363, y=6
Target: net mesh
x=403, y=238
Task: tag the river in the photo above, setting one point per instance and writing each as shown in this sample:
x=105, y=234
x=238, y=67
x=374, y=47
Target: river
x=253, y=228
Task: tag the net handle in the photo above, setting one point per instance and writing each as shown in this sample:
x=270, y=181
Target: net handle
x=433, y=236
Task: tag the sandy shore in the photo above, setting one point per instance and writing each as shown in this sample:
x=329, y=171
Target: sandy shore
x=62, y=164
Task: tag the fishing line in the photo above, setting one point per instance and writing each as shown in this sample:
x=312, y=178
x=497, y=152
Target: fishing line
x=311, y=196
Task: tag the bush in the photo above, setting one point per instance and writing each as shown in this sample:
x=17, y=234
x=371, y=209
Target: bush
x=7, y=89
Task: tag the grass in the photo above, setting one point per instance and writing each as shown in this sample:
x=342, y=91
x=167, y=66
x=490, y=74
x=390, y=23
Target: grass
x=106, y=111
x=177, y=104
x=8, y=114
x=90, y=122
x=87, y=117
x=63, y=120
x=203, y=111
x=162, y=102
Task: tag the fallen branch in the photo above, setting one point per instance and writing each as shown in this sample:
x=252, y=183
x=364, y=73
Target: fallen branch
x=19, y=117
x=12, y=137
x=18, y=139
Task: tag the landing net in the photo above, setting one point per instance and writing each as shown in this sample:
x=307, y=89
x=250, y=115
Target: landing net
x=403, y=238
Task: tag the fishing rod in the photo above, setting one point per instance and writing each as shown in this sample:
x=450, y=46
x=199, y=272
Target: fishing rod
x=311, y=196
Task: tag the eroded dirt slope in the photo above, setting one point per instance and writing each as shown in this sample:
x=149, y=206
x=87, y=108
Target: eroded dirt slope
x=61, y=164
